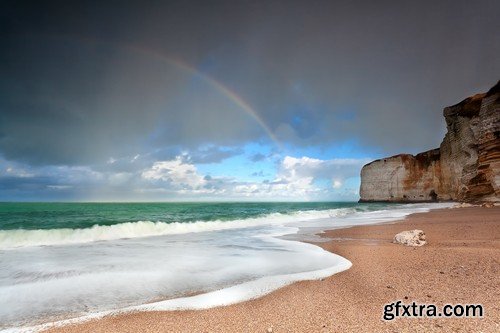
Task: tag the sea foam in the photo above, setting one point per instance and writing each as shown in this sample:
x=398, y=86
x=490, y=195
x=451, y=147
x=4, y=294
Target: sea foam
x=23, y=238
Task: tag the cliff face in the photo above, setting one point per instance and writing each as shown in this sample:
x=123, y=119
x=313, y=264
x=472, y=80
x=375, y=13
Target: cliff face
x=466, y=167
x=403, y=177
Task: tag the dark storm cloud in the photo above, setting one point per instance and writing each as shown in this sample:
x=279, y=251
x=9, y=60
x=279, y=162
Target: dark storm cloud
x=86, y=102
x=72, y=92
x=24, y=183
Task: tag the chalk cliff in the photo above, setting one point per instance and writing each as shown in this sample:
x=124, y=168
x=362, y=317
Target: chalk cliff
x=466, y=167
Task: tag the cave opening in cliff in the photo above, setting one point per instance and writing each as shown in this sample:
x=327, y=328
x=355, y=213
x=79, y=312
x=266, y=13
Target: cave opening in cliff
x=433, y=195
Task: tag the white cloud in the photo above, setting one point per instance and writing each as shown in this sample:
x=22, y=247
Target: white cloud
x=175, y=172
x=296, y=178
x=178, y=178
x=302, y=178
x=311, y=167
x=305, y=170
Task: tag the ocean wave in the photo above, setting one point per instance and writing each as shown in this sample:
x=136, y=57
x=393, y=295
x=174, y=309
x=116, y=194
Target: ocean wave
x=40, y=237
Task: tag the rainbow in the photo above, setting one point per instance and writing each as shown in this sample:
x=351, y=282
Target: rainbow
x=177, y=63
x=228, y=93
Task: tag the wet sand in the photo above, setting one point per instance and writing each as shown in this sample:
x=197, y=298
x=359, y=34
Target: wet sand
x=459, y=264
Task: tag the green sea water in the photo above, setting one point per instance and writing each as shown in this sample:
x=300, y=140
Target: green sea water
x=32, y=216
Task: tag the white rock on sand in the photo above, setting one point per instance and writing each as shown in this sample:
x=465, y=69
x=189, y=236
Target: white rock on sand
x=410, y=238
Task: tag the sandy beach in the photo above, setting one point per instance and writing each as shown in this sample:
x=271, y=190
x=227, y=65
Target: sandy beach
x=459, y=264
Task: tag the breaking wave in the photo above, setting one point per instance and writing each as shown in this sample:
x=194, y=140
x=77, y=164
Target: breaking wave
x=22, y=237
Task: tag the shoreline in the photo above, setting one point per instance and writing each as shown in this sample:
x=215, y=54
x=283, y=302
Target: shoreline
x=351, y=300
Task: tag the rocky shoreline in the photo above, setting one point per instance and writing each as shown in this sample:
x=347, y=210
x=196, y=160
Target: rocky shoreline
x=466, y=167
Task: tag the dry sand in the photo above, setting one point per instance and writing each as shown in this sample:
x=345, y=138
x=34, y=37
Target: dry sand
x=459, y=264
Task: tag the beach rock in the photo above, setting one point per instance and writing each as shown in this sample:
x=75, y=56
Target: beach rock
x=410, y=238
x=466, y=166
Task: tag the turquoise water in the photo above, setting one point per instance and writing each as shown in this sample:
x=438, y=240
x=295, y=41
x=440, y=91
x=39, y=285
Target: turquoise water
x=84, y=215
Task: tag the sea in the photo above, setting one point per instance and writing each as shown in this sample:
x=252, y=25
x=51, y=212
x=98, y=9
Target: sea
x=68, y=261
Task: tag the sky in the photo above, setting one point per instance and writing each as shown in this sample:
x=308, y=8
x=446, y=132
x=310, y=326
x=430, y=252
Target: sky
x=228, y=100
